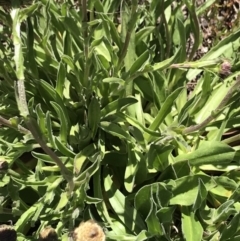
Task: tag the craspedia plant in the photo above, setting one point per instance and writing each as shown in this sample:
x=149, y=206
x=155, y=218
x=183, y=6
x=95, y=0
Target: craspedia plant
x=103, y=115
x=89, y=231
x=48, y=234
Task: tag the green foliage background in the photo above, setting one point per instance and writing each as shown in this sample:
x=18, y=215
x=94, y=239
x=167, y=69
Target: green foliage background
x=106, y=96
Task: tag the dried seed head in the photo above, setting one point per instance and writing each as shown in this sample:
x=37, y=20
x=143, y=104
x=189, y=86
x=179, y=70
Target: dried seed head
x=225, y=68
x=7, y=233
x=48, y=234
x=89, y=231
x=3, y=166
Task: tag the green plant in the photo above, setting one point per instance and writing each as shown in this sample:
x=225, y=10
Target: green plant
x=100, y=122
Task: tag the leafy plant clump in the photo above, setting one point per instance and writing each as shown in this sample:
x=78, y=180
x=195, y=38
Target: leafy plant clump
x=98, y=121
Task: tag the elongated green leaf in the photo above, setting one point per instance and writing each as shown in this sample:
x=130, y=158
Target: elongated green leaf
x=94, y=116
x=86, y=174
x=26, y=12
x=185, y=190
x=51, y=137
x=191, y=227
x=135, y=123
x=115, y=130
x=213, y=101
x=158, y=157
x=82, y=156
x=229, y=232
x=143, y=33
x=64, y=128
x=142, y=201
x=49, y=94
x=164, y=64
x=165, y=214
x=72, y=26
x=64, y=199
x=131, y=169
x=182, y=35
x=69, y=61
x=144, y=235
x=41, y=119
x=129, y=215
x=117, y=105
x=224, y=211
x=102, y=50
x=61, y=79
x=62, y=148
x=25, y=217
x=201, y=197
x=139, y=64
x=203, y=7
x=164, y=111
x=113, y=80
x=111, y=28
x=102, y=207
x=144, y=87
x=51, y=190
x=31, y=52
x=128, y=21
x=39, y=210
x=43, y=157
x=200, y=101
x=152, y=219
x=226, y=186
x=217, y=51
x=209, y=152
x=34, y=182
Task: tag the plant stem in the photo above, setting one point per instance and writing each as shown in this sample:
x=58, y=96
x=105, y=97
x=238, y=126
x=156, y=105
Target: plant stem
x=22, y=101
x=18, y=127
x=216, y=112
x=35, y=130
x=86, y=43
x=232, y=139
